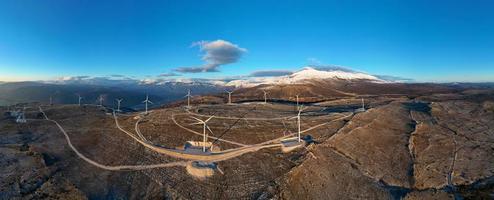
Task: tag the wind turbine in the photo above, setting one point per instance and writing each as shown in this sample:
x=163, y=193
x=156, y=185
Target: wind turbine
x=204, y=126
x=51, y=101
x=188, y=98
x=301, y=108
x=146, y=102
x=118, y=105
x=101, y=99
x=297, y=100
x=229, y=97
x=265, y=96
x=363, y=105
x=80, y=98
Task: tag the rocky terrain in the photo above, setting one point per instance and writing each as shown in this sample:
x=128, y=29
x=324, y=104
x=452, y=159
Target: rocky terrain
x=433, y=146
x=407, y=149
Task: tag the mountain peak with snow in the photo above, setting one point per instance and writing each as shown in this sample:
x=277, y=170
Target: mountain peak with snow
x=307, y=73
x=334, y=73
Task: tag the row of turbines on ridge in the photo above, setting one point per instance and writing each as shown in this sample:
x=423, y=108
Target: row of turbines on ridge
x=20, y=117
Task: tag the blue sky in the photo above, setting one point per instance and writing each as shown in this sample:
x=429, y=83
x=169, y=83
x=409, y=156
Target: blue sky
x=424, y=40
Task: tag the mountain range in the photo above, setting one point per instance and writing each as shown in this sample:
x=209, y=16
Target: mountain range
x=309, y=82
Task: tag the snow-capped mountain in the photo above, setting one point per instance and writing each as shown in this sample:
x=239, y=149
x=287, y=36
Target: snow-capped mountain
x=309, y=73
x=304, y=75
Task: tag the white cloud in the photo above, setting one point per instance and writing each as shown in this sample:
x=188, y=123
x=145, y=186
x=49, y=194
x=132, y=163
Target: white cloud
x=216, y=53
x=168, y=74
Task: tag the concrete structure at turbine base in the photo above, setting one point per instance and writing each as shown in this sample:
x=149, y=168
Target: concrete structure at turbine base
x=191, y=146
x=200, y=170
x=291, y=144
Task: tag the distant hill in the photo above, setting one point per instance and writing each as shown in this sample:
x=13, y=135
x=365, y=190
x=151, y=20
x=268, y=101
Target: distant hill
x=310, y=83
x=134, y=94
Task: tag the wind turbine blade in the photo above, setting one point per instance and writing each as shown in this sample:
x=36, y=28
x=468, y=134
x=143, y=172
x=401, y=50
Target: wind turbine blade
x=150, y=102
x=209, y=118
x=197, y=119
x=196, y=123
x=209, y=129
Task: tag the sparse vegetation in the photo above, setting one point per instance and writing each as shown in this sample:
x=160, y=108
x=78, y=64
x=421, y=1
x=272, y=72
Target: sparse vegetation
x=345, y=158
x=488, y=106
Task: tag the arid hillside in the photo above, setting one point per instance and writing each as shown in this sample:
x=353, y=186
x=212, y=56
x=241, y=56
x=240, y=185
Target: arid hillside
x=437, y=146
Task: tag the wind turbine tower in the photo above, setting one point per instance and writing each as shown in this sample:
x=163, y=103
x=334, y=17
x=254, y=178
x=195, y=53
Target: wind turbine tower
x=188, y=98
x=146, y=102
x=204, y=126
x=229, y=97
x=363, y=105
x=51, y=101
x=80, y=98
x=101, y=99
x=265, y=96
x=118, y=105
x=301, y=108
x=297, y=100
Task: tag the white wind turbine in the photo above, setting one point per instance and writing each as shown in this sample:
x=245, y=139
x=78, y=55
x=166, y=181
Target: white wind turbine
x=80, y=98
x=204, y=126
x=229, y=96
x=146, y=102
x=362, y=109
x=301, y=108
x=188, y=98
x=101, y=99
x=297, y=100
x=118, y=104
x=363, y=105
x=265, y=96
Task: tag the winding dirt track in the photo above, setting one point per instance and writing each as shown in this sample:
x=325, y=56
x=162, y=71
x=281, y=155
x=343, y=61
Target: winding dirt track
x=244, y=118
x=107, y=167
x=138, y=131
x=213, y=156
x=208, y=157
